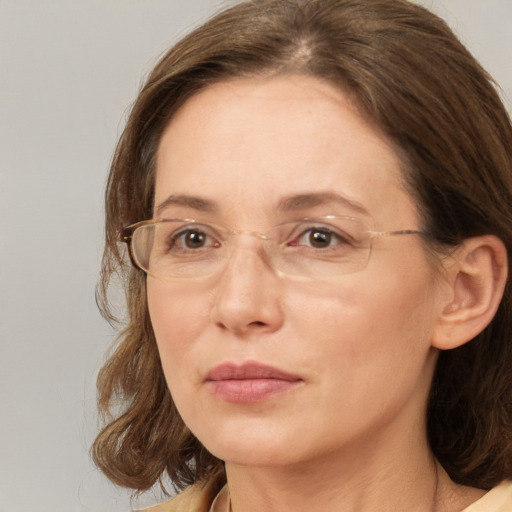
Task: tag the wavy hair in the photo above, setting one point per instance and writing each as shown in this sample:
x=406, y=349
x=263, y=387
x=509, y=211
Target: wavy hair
x=419, y=84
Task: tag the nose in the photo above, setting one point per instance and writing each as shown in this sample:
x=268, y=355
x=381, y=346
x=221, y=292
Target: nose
x=249, y=293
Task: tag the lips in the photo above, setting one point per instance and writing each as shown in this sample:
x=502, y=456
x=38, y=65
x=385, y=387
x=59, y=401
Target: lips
x=250, y=382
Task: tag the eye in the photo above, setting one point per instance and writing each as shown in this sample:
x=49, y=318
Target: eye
x=192, y=239
x=319, y=238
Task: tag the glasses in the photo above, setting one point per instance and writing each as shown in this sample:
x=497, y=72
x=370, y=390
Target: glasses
x=311, y=248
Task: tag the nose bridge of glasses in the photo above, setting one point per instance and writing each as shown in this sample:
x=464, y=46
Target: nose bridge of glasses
x=245, y=243
x=255, y=234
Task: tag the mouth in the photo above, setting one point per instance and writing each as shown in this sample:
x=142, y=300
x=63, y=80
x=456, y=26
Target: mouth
x=250, y=382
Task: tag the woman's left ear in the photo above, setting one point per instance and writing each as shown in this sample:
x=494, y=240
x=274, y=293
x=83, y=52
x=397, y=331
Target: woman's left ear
x=476, y=274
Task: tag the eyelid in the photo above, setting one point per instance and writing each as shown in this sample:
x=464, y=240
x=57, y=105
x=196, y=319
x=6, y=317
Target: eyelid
x=327, y=222
x=209, y=230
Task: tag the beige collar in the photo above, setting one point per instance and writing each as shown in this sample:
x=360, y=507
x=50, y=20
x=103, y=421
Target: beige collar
x=221, y=503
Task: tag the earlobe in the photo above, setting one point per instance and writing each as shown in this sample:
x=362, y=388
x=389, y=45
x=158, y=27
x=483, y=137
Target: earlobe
x=476, y=276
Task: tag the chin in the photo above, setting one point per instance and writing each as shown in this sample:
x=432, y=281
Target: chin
x=255, y=456
x=255, y=448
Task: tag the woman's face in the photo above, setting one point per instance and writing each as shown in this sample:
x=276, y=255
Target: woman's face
x=268, y=369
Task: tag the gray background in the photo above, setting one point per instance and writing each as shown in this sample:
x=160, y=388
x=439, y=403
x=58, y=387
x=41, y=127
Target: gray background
x=69, y=70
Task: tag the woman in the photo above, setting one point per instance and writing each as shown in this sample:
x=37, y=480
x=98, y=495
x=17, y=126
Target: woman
x=317, y=197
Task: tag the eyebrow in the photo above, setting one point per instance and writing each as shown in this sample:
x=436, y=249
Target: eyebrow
x=287, y=204
x=193, y=202
x=310, y=200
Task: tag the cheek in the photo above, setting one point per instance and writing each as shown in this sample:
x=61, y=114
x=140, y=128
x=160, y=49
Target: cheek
x=369, y=327
x=178, y=316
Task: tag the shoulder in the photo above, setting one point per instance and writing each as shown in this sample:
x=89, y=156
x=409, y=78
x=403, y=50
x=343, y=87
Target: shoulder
x=196, y=498
x=498, y=499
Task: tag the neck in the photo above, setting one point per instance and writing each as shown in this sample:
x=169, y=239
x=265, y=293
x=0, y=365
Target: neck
x=395, y=474
x=278, y=492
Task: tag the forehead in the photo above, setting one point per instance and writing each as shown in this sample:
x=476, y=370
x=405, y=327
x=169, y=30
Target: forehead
x=248, y=144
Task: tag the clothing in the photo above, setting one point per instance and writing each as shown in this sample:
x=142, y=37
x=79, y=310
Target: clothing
x=498, y=499
x=195, y=499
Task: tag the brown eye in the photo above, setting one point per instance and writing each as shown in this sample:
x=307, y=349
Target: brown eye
x=320, y=238
x=194, y=239
x=191, y=239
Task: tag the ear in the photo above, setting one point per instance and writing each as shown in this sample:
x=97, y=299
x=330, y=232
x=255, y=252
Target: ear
x=476, y=274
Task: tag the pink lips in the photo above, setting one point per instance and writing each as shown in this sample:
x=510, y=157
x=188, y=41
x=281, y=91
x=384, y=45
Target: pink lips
x=250, y=382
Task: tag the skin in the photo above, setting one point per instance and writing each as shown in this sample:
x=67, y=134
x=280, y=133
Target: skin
x=350, y=436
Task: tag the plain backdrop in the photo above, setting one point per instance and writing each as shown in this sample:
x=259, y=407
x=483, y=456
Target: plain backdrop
x=69, y=70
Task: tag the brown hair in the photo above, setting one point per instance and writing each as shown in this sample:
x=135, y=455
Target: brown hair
x=412, y=76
